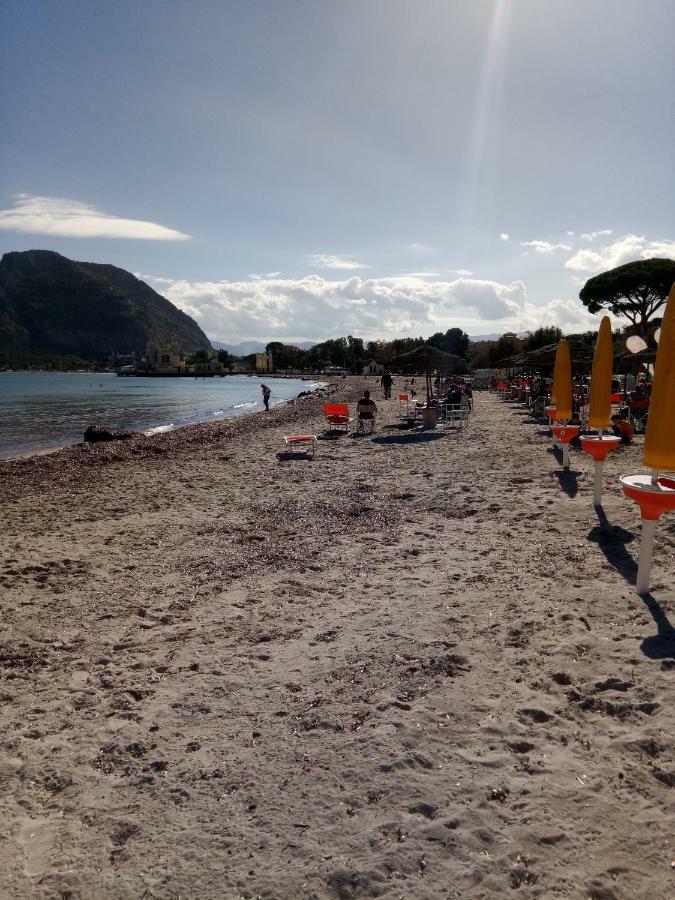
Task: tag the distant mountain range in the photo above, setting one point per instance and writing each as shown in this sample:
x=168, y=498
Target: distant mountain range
x=494, y=336
x=246, y=347
x=53, y=305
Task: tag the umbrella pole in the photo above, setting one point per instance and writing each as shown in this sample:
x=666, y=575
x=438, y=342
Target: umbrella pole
x=597, y=482
x=645, y=559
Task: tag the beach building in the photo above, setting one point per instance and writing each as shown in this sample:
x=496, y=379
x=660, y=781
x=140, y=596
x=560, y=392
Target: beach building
x=264, y=362
x=373, y=368
x=211, y=366
x=240, y=368
x=167, y=360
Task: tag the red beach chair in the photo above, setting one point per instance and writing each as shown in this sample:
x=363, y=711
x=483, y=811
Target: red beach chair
x=404, y=406
x=337, y=415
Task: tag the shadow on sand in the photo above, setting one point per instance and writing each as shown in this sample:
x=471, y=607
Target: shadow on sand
x=399, y=426
x=332, y=435
x=567, y=478
x=662, y=644
x=288, y=455
x=612, y=540
x=414, y=437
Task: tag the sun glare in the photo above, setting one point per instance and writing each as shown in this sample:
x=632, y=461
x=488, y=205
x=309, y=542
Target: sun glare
x=484, y=139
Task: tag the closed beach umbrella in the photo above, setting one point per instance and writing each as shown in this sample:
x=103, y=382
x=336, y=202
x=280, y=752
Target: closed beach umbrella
x=659, y=452
x=656, y=495
x=562, y=382
x=601, y=377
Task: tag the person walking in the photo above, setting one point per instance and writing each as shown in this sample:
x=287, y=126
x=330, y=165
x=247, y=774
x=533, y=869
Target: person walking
x=266, y=393
x=387, y=382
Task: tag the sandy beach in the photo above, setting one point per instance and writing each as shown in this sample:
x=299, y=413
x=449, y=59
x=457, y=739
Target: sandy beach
x=413, y=666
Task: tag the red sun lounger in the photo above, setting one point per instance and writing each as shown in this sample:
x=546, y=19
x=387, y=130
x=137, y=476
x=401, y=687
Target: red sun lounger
x=303, y=441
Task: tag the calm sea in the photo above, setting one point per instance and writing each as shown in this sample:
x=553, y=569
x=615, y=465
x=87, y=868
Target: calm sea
x=42, y=410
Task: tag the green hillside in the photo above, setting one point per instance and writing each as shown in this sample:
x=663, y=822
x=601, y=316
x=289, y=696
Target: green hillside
x=51, y=305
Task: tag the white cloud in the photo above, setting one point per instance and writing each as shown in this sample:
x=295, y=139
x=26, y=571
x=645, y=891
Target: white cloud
x=422, y=248
x=629, y=248
x=420, y=275
x=570, y=234
x=466, y=272
x=545, y=247
x=570, y=315
x=315, y=308
x=70, y=218
x=592, y=235
x=325, y=261
x=503, y=236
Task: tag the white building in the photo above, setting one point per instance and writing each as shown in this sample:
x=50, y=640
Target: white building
x=373, y=368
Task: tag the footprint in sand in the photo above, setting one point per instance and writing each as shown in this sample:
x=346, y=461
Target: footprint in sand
x=36, y=837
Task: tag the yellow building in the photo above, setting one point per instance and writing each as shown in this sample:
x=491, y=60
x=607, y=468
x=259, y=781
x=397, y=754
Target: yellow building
x=167, y=360
x=263, y=362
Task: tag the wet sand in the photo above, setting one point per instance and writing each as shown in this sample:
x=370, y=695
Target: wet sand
x=413, y=666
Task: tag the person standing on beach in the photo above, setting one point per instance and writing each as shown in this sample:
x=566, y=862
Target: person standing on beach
x=386, y=383
x=266, y=393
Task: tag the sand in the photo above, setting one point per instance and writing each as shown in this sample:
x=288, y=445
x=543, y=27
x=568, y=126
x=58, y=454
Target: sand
x=410, y=667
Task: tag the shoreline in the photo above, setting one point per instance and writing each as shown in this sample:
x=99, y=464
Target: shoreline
x=155, y=430
x=72, y=461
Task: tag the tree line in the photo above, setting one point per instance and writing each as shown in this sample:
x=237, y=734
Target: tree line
x=352, y=353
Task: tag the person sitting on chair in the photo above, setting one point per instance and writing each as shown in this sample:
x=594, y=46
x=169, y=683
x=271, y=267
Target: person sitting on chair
x=623, y=429
x=366, y=409
x=453, y=396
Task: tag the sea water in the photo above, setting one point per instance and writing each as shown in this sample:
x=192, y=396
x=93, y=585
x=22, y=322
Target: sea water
x=40, y=411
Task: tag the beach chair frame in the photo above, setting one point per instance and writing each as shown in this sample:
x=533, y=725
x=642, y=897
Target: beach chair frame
x=307, y=443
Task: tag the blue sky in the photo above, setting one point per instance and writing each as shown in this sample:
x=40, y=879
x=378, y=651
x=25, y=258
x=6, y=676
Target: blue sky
x=299, y=169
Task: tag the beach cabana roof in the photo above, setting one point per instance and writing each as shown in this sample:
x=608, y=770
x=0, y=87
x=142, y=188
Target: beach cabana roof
x=428, y=356
x=580, y=351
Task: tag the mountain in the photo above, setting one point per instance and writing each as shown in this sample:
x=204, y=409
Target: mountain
x=53, y=305
x=246, y=347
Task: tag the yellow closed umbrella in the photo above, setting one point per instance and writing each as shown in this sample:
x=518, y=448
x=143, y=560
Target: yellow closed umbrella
x=600, y=410
x=562, y=382
x=659, y=452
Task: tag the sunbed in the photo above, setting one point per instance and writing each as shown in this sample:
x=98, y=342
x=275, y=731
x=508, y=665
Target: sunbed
x=337, y=415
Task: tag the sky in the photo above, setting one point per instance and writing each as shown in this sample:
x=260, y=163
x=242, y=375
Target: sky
x=304, y=169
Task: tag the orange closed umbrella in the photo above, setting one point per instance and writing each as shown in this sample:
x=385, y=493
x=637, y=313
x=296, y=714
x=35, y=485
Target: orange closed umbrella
x=562, y=382
x=659, y=452
x=600, y=410
x=655, y=494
